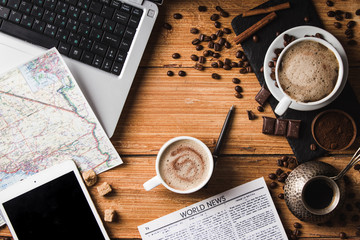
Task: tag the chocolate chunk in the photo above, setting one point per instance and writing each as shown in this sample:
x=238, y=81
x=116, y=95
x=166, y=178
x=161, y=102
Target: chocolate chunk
x=280, y=127
x=262, y=96
x=268, y=125
x=251, y=115
x=293, y=129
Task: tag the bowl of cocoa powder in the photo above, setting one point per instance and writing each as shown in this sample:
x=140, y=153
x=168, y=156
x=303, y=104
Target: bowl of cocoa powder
x=334, y=130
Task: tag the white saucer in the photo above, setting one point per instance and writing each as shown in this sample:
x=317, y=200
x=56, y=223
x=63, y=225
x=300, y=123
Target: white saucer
x=300, y=32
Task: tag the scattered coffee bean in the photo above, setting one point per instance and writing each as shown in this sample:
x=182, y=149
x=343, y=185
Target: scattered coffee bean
x=348, y=15
x=167, y=26
x=182, y=73
x=351, y=24
x=339, y=17
x=241, y=63
x=357, y=12
x=215, y=76
x=251, y=115
x=216, y=55
x=279, y=171
x=318, y=35
x=342, y=235
x=239, y=54
x=279, y=162
x=199, y=67
x=206, y=53
x=214, y=17
x=349, y=31
x=195, y=41
x=273, y=184
x=255, y=38
x=222, y=41
x=202, y=8
x=170, y=73
x=214, y=65
x=281, y=179
x=350, y=36
x=331, y=14
x=194, y=57
x=352, y=42
x=227, y=61
x=243, y=70
x=329, y=3
x=238, y=88
x=272, y=176
x=277, y=51
x=260, y=108
x=178, y=16
x=227, y=30
x=271, y=64
x=227, y=45
x=219, y=9
x=202, y=59
x=219, y=33
x=236, y=80
x=217, y=47
x=244, y=58
x=312, y=147
x=207, y=38
x=337, y=24
x=297, y=225
x=249, y=69
x=281, y=196
x=357, y=168
x=201, y=37
x=221, y=63
x=213, y=36
x=227, y=67
x=176, y=55
x=297, y=232
x=194, y=30
x=199, y=47
x=224, y=14
x=211, y=44
x=306, y=19
x=234, y=64
x=217, y=24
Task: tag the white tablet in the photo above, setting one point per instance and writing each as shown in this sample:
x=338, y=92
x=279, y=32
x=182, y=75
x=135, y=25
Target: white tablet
x=53, y=204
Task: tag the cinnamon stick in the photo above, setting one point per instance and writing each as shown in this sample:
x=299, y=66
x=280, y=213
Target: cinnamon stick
x=266, y=10
x=254, y=28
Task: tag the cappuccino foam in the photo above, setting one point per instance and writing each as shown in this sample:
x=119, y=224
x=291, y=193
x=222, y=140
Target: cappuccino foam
x=184, y=165
x=308, y=71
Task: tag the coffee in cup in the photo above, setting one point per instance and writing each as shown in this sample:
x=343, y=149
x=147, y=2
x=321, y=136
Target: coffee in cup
x=308, y=71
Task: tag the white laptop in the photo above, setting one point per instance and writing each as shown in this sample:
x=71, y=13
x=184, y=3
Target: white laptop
x=93, y=37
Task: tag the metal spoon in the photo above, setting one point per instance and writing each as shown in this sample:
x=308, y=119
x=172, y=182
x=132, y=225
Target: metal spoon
x=354, y=160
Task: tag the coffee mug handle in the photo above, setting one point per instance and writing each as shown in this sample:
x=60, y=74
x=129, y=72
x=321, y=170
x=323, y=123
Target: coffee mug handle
x=282, y=106
x=150, y=184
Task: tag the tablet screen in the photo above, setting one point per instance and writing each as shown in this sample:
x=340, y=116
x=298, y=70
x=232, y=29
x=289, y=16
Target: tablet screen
x=55, y=210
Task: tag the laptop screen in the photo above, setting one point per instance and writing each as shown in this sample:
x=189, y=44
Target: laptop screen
x=55, y=210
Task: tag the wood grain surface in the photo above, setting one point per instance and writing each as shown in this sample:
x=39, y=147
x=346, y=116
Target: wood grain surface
x=161, y=107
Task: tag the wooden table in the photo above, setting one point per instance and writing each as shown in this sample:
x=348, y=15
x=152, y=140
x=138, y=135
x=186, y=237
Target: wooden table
x=161, y=107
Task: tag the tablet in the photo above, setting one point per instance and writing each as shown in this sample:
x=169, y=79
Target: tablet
x=53, y=204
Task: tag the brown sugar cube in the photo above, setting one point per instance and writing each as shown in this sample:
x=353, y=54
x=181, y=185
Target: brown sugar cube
x=89, y=177
x=104, y=189
x=110, y=215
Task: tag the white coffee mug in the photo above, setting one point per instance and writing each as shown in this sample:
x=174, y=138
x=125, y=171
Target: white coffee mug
x=286, y=100
x=157, y=180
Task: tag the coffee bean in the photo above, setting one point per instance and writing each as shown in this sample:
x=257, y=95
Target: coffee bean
x=227, y=45
x=297, y=225
x=241, y=64
x=207, y=38
x=222, y=41
x=331, y=14
x=249, y=69
x=195, y=41
x=286, y=38
x=352, y=42
x=239, y=54
x=227, y=30
x=279, y=171
x=281, y=196
x=243, y=70
x=342, y=235
x=271, y=64
x=272, y=176
x=351, y=24
x=167, y=26
x=217, y=24
x=357, y=12
x=234, y=64
x=199, y=47
x=285, y=164
x=251, y=115
x=279, y=162
x=312, y=147
x=182, y=73
x=219, y=33
x=176, y=55
x=214, y=65
x=318, y=35
x=199, y=67
x=202, y=59
x=339, y=12
x=350, y=36
x=170, y=73
x=227, y=67
x=216, y=55
x=227, y=61
x=339, y=18
x=220, y=63
x=243, y=57
x=206, y=53
x=238, y=95
x=329, y=3
x=277, y=51
x=293, y=237
x=177, y=16
x=213, y=37
x=215, y=76
x=211, y=44
x=337, y=24
x=348, y=15
x=306, y=19
x=236, y=80
x=238, y=88
x=194, y=30
x=281, y=179
x=357, y=168
x=224, y=14
x=214, y=17
x=260, y=108
x=219, y=9
x=297, y=232
x=217, y=47
x=255, y=38
x=194, y=57
x=201, y=37
x=202, y=8
x=273, y=184
x=349, y=31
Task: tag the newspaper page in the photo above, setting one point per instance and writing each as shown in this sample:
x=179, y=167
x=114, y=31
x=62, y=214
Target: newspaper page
x=244, y=212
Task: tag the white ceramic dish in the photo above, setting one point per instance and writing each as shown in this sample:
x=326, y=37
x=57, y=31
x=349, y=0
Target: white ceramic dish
x=300, y=32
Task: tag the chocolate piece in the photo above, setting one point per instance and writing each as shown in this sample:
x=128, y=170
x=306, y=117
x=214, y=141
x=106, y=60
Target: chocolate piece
x=280, y=127
x=293, y=129
x=262, y=96
x=251, y=115
x=268, y=125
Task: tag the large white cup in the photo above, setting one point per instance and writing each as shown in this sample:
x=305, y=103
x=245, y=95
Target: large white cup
x=157, y=180
x=286, y=100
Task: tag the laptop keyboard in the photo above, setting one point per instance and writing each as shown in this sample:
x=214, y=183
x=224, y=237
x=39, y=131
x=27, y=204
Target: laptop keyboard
x=98, y=33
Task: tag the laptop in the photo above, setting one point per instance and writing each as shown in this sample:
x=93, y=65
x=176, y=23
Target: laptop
x=101, y=41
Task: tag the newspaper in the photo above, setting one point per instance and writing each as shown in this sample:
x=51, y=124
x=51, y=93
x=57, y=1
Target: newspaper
x=244, y=212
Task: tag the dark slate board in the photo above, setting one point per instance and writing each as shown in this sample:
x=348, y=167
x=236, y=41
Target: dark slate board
x=255, y=52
